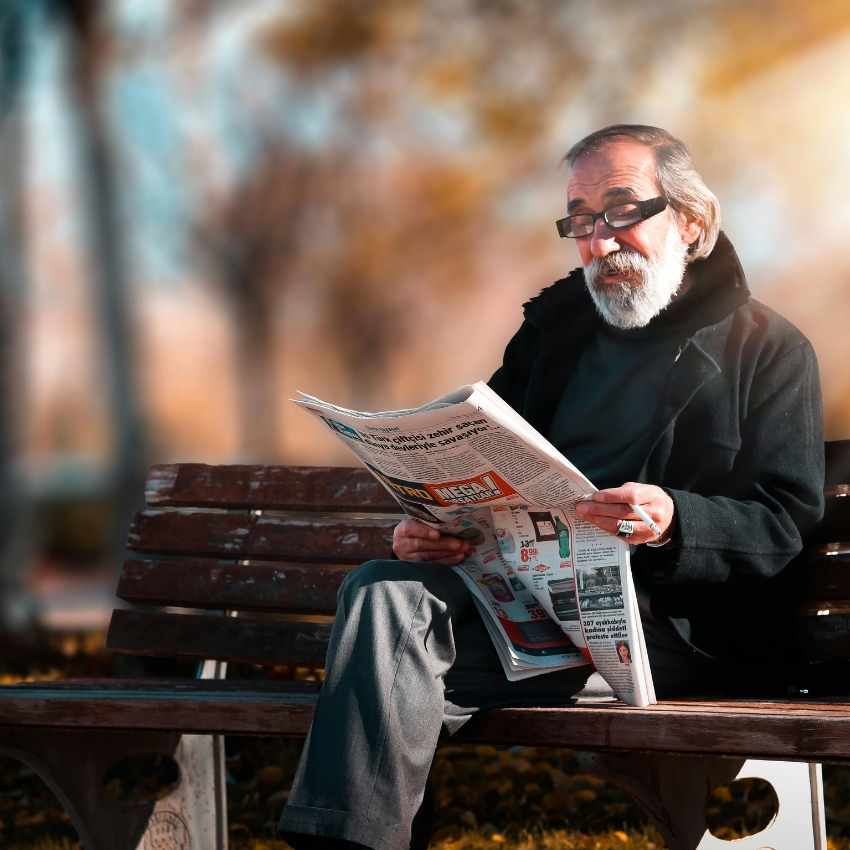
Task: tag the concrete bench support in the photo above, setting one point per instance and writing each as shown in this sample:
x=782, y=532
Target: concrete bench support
x=673, y=790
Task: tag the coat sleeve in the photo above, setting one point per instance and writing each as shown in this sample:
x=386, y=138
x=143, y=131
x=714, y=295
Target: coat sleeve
x=778, y=485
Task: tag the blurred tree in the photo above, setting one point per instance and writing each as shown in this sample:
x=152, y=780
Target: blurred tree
x=90, y=46
x=415, y=227
x=419, y=219
x=15, y=22
x=252, y=239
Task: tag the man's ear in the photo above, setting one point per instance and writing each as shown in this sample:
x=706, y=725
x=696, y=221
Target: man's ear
x=689, y=229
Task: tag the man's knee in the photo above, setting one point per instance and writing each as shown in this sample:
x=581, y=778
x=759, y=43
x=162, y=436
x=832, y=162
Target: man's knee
x=381, y=570
x=367, y=575
x=385, y=577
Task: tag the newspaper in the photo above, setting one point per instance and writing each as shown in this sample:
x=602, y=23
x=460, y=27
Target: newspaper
x=554, y=591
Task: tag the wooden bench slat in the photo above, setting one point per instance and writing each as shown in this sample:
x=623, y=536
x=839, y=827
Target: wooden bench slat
x=236, y=639
x=242, y=587
x=319, y=488
x=794, y=731
x=201, y=705
x=312, y=589
x=320, y=540
x=769, y=730
x=282, y=488
x=243, y=536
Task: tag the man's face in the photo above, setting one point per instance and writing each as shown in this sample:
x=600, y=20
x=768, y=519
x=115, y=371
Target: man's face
x=632, y=273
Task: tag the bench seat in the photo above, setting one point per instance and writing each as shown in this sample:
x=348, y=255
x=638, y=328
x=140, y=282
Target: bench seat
x=805, y=731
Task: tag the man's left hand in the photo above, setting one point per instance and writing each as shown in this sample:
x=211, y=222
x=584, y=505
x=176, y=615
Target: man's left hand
x=610, y=506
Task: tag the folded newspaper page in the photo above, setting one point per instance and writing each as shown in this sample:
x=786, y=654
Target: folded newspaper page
x=553, y=590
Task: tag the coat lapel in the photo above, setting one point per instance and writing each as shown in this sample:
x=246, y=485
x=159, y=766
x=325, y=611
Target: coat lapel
x=694, y=368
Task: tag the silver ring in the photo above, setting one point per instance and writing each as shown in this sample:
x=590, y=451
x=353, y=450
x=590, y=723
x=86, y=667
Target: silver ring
x=626, y=528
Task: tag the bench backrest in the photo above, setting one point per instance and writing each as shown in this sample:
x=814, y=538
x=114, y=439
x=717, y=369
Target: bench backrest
x=255, y=539
x=278, y=540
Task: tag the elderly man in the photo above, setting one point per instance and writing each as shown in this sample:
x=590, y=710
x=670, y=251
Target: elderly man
x=655, y=372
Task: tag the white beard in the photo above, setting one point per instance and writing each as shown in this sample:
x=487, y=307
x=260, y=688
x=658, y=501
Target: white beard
x=659, y=279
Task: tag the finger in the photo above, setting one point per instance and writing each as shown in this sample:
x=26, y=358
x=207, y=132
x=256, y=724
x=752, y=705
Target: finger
x=630, y=493
x=433, y=552
x=433, y=557
x=641, y=533
x=451, y=560
x=446, y=542
x=415, y=528
x=618, y=510
x=456, y=557
x=608, y=524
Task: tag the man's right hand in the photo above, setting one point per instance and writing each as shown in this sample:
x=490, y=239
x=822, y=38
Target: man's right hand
x=415, y=541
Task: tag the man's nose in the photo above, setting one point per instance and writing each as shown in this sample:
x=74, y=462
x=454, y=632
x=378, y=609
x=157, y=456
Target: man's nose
x=603, y=241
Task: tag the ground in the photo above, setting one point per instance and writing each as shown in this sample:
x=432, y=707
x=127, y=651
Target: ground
x=487, y=798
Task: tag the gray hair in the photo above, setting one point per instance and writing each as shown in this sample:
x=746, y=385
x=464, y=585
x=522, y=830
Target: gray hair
x=675, y=171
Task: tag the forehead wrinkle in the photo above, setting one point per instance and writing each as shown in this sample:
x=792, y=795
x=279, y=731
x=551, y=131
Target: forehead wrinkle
x=625, y=176
x=614, y=192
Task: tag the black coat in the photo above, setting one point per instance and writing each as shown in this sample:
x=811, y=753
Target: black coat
x=738, y=445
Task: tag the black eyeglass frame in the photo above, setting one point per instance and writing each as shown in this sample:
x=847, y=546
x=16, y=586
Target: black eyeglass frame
x=648, y=209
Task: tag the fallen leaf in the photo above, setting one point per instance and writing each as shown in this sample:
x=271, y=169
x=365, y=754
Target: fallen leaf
x=271, y=774
x=585, y=795
x=447, y=833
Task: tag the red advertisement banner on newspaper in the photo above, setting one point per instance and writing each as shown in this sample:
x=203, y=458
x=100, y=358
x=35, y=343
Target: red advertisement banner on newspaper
x=468, y=491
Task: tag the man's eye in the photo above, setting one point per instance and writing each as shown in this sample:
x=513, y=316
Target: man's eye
x=624, y=214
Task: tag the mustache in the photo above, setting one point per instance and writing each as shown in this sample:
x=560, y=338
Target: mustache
x=621, y=262
x=630, y=263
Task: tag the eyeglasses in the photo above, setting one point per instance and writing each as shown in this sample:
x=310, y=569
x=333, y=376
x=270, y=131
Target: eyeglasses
x=618, y=217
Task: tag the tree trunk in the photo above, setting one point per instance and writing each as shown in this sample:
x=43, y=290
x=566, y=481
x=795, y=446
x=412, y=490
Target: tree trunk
x=107, y=259
x=14, y=513
x=256, y=375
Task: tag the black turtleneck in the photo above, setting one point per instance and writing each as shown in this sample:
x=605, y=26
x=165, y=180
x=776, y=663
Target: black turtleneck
x=602, y=421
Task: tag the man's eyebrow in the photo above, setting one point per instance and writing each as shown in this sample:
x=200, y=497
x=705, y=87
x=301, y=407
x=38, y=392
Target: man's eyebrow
x=619, y=191
x=614, y=192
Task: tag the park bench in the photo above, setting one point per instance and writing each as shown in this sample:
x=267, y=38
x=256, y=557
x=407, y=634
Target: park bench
x=236, y=562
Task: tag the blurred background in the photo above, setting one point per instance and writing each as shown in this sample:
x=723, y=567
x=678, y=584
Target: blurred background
x=207, y=205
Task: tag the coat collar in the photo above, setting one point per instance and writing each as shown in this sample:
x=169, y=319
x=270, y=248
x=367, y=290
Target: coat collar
x=720, y=288
x=567, y=320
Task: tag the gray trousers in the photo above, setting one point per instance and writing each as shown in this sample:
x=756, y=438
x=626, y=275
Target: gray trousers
x=408, y=658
